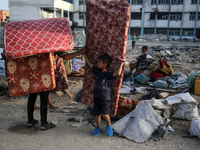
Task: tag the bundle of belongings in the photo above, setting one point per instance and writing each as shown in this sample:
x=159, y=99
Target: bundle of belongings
x=125, y=105
x=159, y=73
x=151, y=69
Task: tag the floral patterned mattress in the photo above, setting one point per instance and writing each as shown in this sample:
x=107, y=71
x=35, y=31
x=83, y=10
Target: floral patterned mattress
x=106, y=32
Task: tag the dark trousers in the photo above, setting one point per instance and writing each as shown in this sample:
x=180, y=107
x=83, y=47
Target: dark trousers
x=43, y=106
x=133, y=44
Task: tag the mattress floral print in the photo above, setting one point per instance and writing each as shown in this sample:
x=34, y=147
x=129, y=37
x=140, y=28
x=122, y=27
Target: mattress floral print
x=106, y=32
x=30, y=74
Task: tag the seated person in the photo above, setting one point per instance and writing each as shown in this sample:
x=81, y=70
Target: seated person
x=134, y=64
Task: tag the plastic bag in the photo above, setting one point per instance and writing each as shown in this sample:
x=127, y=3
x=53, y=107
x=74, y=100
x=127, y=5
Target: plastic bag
x=195, y=128
x=186, y=111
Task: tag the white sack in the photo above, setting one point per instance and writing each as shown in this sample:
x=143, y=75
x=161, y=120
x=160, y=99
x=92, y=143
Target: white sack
x=179, y=98
x=186, y=111
x=186, y=106
x=139, y=124
x=195, y=128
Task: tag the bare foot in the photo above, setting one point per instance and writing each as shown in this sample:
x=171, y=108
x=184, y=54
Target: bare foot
x=53, y=107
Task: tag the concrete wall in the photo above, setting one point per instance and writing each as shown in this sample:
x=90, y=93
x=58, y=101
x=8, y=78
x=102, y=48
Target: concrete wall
x=63, y=5
x=17, y=13
x=27, y=9
x=31, y=1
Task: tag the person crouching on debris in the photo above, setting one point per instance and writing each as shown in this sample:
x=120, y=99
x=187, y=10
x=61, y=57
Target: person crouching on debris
x=142, y=57
x=102, y=90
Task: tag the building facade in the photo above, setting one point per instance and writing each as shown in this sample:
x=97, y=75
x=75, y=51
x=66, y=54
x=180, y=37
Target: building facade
x=4, y=17
x=176, y=18
x=28, y=9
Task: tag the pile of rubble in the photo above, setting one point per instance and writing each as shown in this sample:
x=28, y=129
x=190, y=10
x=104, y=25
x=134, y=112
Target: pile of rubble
x=155, y=37
x=174, y=53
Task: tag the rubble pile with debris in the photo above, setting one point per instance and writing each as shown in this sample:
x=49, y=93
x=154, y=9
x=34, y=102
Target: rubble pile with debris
x=146, y=110
x=177, y=86
x=155, y=37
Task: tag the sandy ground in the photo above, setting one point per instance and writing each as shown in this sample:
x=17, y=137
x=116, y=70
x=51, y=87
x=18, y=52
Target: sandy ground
x=15, y=135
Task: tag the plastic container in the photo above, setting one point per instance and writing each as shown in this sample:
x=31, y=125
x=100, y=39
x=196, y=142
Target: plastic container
x=197, y=86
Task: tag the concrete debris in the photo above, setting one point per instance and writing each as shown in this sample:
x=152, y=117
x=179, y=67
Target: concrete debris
x=155, y=37
x=79, y=37
x=183, y=54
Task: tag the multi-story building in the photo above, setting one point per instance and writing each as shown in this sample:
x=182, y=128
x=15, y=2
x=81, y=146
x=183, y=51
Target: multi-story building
x=38, y=9
x=4, y=16
x=177, y=18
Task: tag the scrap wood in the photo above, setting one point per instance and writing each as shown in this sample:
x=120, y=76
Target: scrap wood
x=72, y=81
x=78, y=74
x=59, y=93
x=74, y=72
x=75, y=77
x=70, y=95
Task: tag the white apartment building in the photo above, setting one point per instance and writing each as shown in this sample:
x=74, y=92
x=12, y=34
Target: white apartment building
x=176, y=18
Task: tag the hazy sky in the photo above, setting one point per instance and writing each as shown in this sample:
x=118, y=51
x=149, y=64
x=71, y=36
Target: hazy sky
x=4, y=5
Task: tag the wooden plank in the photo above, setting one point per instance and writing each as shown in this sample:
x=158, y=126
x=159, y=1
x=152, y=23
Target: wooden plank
x=70, y=95
x=59, y=93
x=72, y=81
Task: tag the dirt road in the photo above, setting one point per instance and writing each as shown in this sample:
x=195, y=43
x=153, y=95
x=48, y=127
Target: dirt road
x=15, y=135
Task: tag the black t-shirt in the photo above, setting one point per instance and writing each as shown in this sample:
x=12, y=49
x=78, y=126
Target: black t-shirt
x=141, y=58
x=102, y=83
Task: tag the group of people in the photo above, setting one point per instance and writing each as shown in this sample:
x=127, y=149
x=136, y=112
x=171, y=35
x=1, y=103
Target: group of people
x=101, y=92
x=45, y=99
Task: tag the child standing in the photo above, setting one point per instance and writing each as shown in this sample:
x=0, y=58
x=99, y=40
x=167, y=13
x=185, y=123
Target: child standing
x=102, y=90
x=133, y=37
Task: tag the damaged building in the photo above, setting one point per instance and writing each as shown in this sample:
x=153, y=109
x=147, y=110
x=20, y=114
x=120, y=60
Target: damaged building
x=176, y=18
x=27, y=9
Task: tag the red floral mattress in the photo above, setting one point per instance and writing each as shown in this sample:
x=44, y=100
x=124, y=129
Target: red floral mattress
x=30, y=74
x=106, y=32
x=31, y=37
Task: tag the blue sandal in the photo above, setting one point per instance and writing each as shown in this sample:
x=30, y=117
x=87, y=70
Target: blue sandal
x=109, y=131
x=96, y=131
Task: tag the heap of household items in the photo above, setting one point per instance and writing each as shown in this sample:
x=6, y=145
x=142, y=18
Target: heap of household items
x=166, y=94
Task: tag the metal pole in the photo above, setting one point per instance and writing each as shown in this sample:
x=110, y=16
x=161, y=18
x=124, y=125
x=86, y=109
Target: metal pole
x=182, y=19
x=156, y=16
x=169, y=16
x=195, y=25
x=142, y=22
x=129, y=28
x=84, y=14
